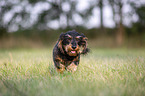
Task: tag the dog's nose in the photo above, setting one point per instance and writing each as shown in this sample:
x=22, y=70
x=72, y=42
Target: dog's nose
x=74, y=47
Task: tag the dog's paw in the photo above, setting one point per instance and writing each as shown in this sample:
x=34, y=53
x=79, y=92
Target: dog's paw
x=72, y=67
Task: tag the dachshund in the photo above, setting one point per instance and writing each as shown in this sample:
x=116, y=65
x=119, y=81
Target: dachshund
x=67, y=51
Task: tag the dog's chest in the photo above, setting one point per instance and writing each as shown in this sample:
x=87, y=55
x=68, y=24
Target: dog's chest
x=68, y=60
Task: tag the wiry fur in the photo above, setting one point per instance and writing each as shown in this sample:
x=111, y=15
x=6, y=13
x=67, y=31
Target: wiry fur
x=67, y=51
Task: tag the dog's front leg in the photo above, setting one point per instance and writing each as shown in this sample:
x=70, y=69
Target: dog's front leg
x=72, y=67
x=59, y=67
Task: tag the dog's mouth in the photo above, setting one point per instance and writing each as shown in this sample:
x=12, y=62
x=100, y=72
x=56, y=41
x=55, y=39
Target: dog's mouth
x=70, y=51
x=73, y=52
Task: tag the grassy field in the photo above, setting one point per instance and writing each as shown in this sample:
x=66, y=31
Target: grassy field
x=103, y=72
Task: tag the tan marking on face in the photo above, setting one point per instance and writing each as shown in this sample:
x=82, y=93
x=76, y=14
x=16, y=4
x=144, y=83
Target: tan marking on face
x=85, y=38
x=69, y=36
x=68, y=49
x=78, y=37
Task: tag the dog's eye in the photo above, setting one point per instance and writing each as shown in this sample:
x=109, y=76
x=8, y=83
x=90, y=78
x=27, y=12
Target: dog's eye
x=68, y=38
x=78, y=39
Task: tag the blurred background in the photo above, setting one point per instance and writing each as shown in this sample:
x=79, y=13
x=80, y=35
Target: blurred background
x=38, y=23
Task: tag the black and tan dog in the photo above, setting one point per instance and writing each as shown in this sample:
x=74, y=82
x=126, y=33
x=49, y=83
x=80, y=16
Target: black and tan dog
x=67, y=51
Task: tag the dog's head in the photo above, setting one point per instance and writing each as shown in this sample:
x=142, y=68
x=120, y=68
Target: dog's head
x=72, y=42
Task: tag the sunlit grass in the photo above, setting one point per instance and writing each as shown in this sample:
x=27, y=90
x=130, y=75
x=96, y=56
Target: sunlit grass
x=103, y=72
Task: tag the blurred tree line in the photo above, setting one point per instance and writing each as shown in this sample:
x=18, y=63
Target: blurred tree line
x=19, y=15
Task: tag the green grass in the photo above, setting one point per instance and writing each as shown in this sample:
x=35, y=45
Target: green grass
x=103, y=72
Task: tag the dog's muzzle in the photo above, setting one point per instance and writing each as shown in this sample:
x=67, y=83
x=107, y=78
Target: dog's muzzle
x=72, y=50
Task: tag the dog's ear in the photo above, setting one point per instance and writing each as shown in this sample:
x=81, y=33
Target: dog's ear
x=84, y=45
x=61, y=37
